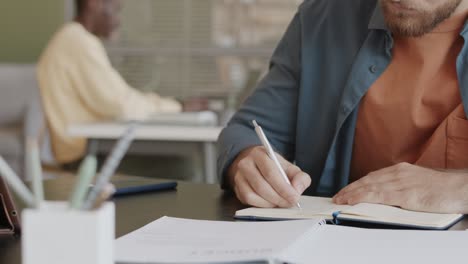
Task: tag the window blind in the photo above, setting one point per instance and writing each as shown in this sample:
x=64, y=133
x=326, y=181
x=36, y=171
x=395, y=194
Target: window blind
x=193, y=48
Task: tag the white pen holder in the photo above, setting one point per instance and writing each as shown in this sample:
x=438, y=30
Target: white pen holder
x=56, y=234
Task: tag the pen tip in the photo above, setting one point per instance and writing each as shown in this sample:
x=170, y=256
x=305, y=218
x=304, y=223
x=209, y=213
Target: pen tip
x=255, y=123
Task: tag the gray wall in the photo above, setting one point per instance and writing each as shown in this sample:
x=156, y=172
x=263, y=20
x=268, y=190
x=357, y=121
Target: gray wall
x=26, y=26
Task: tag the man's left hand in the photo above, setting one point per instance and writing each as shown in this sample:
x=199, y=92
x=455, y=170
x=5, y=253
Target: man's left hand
x=410, y=187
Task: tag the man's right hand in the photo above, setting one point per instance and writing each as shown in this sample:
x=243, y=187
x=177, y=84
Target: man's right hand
x=257, y=182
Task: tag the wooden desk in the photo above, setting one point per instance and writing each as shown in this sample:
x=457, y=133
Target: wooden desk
x=147, y=137
x=195, y=201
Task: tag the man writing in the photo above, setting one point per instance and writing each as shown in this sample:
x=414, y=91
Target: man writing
x=79, y=85
x=368, y=97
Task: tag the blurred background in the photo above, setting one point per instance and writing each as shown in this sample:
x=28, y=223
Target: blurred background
x=214, y=51
x=198, y=48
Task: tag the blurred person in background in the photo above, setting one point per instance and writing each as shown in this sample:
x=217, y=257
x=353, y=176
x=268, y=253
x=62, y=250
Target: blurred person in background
x=79, y=85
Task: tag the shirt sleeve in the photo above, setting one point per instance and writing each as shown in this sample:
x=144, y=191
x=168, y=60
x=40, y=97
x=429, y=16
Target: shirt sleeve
x=105, y=92
x=273, y=105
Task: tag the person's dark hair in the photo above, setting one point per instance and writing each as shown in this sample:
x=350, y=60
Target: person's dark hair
x=79, y=6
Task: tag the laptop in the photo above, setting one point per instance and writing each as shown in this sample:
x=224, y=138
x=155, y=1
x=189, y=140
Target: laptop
x=9, y=218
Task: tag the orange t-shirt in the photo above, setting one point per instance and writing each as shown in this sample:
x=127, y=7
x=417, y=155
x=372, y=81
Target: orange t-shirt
x=414, y=113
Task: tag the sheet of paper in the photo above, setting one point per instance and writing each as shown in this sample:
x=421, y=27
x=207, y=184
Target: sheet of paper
x=347, y=245
x=173, y=240
x=397, y=215
x=312, y=207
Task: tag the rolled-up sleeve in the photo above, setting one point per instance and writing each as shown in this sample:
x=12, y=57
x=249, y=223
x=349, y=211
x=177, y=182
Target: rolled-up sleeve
x=273, y=105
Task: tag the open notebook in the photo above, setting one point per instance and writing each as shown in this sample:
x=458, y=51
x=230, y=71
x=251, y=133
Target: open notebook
x=174, y=240
x=313, y=207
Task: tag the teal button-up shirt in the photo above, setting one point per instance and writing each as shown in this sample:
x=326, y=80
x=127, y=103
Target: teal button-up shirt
x=331, y=54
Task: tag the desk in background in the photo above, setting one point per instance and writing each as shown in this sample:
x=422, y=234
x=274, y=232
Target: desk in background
x=154, y=139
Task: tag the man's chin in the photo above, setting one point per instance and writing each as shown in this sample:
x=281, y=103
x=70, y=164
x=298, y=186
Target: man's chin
x=407, y=27
x=410, y=22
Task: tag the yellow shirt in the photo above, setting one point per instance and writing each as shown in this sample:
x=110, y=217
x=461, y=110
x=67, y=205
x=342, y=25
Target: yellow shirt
x=79, y=85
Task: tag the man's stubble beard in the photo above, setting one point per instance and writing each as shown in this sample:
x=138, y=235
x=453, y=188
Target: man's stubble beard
x=418, y=23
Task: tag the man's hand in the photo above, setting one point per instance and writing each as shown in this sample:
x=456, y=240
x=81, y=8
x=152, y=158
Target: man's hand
x=257, y=182
x=410, y=187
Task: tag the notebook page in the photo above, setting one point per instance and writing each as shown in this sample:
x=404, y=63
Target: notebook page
x=174, y=240
x=384, y=213
x=312, y=207
x=347, y=245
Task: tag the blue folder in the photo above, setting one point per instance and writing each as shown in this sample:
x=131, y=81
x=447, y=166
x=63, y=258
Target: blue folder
x=125, y=188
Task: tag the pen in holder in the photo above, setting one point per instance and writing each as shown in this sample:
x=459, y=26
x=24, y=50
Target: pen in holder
x=55, y=234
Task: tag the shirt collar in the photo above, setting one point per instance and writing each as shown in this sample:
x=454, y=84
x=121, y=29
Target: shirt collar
x=378, y=20
x=464, y=32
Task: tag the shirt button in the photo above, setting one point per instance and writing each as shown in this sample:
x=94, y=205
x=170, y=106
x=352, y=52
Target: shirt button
x=373, y=69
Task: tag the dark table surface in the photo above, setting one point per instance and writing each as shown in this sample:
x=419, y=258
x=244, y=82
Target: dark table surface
x=194, y=201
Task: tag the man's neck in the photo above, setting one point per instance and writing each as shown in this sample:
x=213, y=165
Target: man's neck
x=442, y=44
x=462, y=8
x=453, y=23
x=87, y=23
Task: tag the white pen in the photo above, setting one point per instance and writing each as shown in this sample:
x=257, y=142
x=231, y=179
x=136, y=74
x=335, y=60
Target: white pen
x=16, y=184
x=110, y=166
x=271, y=153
